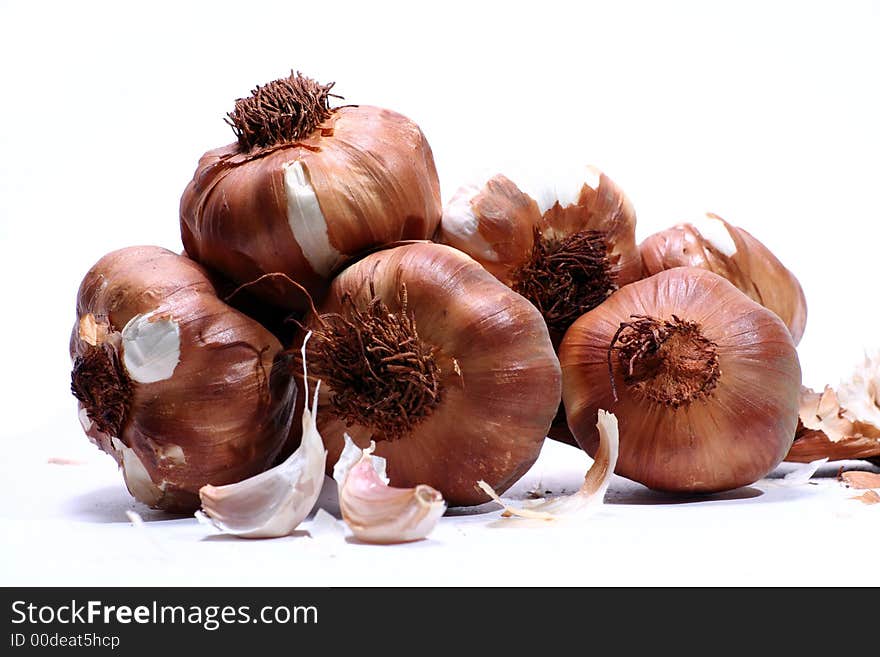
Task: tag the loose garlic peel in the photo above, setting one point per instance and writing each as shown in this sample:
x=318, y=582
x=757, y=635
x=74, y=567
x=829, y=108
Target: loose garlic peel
x=273, y=503
x=842, y=423
x=377, y=512
x=591, y=494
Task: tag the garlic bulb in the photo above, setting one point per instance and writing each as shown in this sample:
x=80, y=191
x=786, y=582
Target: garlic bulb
x=713, y=244
x=565, y=243
x=178, y=387
x=375, y=511
x=591, y=493
x=305, y=188
x=703, y=380
x=451, y=373
x=272, y=503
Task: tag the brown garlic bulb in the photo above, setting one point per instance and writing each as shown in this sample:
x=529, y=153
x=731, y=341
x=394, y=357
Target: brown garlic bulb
x=565, y=245
x=703, y=380
x=181, y=389
x=451, y=373
x=305, y=188
x=733, y=253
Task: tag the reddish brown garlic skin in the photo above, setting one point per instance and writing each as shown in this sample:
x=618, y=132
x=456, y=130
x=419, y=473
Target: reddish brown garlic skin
x=500, y=225
x=373, y=174
x=752, y=267
x=729, y=435
x=499, y=383
x=224, y=412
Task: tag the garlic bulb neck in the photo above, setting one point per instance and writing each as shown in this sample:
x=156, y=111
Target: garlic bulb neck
x=281, y=111
x=565, y=277
x=668, y=361
x=382, y=374
x=101, y=384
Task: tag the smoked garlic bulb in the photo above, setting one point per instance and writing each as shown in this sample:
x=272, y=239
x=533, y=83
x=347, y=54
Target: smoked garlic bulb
x=181, y=389
x=565, y=245
x=704, y=382
x=305, y=188
x=451, y=373
x=731, y=252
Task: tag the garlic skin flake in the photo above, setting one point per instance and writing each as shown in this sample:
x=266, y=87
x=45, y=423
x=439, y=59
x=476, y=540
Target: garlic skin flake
x=803, y=473
x=273, y=503
x=591, y=494
x=377, y=512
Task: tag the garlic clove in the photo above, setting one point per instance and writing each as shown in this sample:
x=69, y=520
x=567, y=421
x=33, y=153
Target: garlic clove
x=137, y=478
x=151, y=347
x=377, y=512
x=591, y=493
x=273, y=503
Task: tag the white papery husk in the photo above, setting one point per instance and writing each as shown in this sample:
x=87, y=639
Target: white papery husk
x=273, y=503
x=859, y=396
x=591, y=494
x=376, y=512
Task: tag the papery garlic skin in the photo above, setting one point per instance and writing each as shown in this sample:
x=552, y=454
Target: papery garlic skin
x=725, y=434
x=713, y=244
x=364, y=177
x=376, y=512
x=195, y=392
x=860, y=394
x=591, y=493
x=498, y=379
x=843, y=423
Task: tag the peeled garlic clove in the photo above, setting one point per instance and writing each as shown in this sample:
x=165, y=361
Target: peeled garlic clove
x=713, y=244
x=179, y=387
x=306, y=187
x=273, y=503
x=377, y=512
x=592, y=491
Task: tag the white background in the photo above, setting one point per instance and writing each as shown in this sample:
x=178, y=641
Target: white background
x=763, y=112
